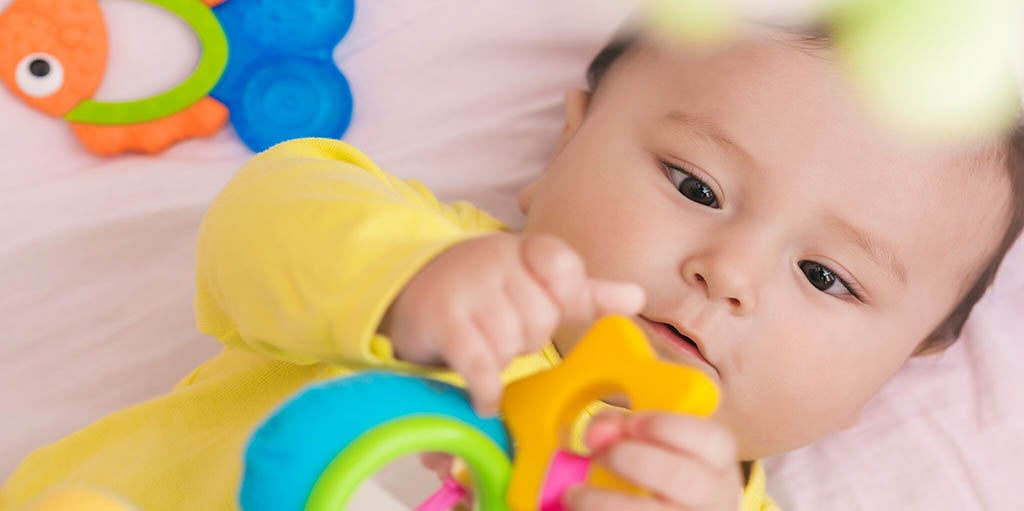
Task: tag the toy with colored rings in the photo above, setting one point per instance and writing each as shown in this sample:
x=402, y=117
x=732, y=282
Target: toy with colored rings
x=296, y=462
x=313, y=453
x=265, y=64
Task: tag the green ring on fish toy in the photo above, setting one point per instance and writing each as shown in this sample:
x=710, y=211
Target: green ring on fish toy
x=212, y=62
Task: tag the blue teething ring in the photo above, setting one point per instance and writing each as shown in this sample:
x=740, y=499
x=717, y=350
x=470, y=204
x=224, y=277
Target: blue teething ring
x=288, y=454
x=290, y=97
x=282, y=81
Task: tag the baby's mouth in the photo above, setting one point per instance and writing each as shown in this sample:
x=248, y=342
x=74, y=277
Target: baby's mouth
x=683, y=337
x=677, y=343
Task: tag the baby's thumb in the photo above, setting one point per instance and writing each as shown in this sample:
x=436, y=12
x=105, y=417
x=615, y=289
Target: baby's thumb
x=607, y=428
x=616, y=298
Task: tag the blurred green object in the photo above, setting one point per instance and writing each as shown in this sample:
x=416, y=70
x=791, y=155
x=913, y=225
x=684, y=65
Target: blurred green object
x=693, y=21
x=938, y=68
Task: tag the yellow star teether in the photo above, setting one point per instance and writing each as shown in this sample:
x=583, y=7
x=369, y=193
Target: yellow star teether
x=612, y=358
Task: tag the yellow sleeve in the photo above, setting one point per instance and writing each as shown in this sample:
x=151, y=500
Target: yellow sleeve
x=303, y=251
x=755, y=495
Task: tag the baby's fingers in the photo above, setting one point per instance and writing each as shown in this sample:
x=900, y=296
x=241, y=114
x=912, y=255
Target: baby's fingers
x=587, y=498
x=676, y=478
x=537, y=314
x=439, y=463
x=616, y=298
x=702, y=439
x=468, y=354
x=562, y=273
x=607, y=428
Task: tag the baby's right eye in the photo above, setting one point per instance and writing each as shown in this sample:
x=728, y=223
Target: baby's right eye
x=692, y=187
x=826, y=280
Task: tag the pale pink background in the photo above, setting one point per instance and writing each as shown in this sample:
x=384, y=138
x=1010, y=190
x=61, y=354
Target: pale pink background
x=96, y=269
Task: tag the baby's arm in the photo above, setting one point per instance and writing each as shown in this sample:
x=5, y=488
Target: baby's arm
x=301, y=254
x=309, y=246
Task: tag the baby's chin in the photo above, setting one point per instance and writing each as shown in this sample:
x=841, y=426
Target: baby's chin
x=771, y=432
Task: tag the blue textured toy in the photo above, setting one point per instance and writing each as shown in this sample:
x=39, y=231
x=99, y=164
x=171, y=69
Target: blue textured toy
x=281, y=81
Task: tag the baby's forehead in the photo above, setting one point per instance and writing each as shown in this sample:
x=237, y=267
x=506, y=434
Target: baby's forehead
x=786, y=99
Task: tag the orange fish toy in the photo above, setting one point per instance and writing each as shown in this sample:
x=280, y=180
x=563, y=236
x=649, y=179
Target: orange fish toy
x=265, y=65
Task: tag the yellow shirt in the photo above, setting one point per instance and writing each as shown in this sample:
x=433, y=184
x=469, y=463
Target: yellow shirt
x=297, y=261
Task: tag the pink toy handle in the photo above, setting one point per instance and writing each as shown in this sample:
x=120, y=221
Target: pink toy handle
x=566, y=470
x=446, y=498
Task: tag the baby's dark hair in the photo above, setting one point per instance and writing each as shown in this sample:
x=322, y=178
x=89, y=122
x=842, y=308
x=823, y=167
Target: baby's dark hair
x=1009, y=151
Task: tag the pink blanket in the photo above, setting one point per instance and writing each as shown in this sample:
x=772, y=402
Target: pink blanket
x=96, y=270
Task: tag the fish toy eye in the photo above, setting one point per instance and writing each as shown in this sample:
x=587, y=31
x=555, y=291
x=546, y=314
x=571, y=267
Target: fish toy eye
x=39, y=75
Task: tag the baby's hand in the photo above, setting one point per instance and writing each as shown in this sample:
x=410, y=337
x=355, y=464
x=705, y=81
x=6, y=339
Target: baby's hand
x=488, y=300
x=687, y=463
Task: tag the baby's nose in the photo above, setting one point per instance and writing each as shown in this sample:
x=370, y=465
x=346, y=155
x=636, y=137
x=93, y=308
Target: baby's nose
x=722, y=282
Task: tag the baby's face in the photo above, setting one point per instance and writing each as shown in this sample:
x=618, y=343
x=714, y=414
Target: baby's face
x=805, y=251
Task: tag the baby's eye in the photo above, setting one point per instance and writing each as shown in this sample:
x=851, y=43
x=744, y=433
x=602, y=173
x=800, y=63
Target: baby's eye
x=824, y=279
x=692, y=187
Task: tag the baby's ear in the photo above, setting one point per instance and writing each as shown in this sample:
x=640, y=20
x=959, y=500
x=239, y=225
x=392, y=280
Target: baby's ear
x=526, y=195
x=576, y=103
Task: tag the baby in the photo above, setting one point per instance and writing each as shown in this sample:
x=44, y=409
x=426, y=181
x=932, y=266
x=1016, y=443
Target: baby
x=738, y=204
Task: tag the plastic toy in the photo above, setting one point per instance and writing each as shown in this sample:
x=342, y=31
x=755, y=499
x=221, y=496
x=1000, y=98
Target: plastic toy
x=313, y=453
x=613, y=359
x=937, y=69
x=265, y=63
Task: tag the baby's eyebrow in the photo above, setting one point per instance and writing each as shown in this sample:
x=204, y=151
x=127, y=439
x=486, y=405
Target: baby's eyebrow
x=881, y=252
x=707, y=129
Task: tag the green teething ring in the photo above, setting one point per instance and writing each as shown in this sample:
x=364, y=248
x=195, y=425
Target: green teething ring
x=212, y=61
x=383, y=444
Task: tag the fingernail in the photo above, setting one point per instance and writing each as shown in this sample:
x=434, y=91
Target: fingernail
x=604, y=430
x=486, y=409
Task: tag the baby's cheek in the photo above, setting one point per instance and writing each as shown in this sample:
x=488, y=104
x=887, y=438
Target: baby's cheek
x=774, y=426
x=784, y=402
